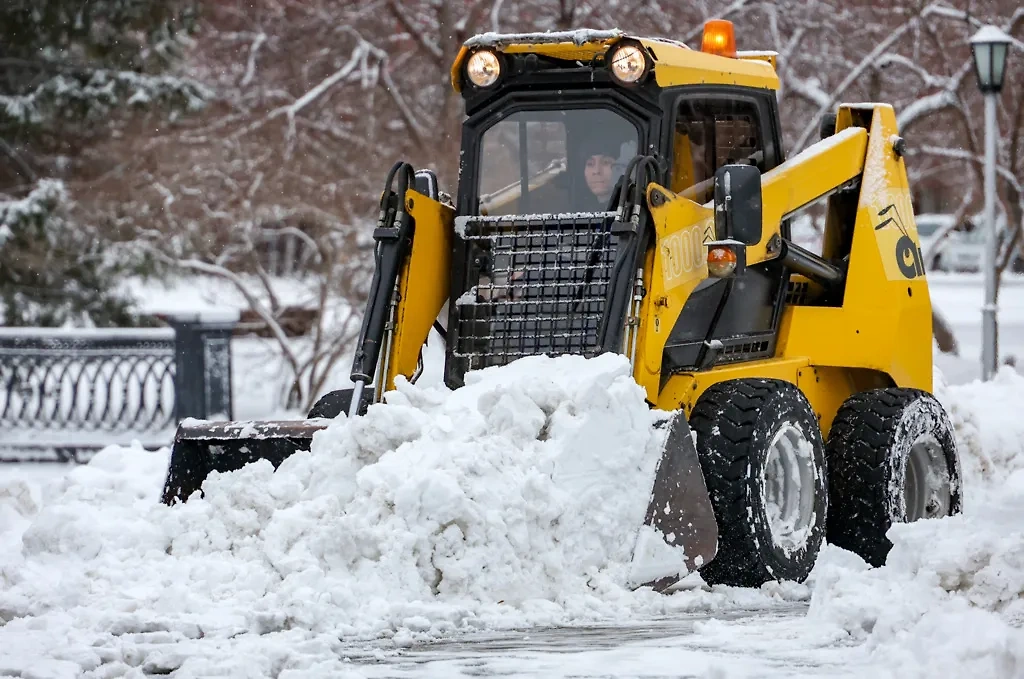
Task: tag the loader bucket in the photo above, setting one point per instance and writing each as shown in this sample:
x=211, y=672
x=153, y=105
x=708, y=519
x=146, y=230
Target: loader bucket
x=202, y=447
x=679, y=510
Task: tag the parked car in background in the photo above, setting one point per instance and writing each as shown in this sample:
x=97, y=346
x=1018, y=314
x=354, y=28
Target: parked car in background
x=929, y=225
x=962, y=249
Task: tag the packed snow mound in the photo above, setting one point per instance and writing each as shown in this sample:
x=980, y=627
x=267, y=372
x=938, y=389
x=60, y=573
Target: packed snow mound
x=529, y=483
x=509, y=503
x=988, y=420
x=948, y=602
x=514, y=500
x=950, y=598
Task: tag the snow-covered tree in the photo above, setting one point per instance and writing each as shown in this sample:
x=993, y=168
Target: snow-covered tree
x=70, y=68
x=317, y=98
x=71, y=75
x=54, y=272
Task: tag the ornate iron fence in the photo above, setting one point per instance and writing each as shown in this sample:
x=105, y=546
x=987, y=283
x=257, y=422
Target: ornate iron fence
x=68, y=392
x=98, y=383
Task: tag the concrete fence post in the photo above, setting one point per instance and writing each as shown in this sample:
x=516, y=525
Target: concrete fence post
x=202, y=356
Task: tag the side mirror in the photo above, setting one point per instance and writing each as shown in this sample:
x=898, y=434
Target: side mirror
x=738, y=203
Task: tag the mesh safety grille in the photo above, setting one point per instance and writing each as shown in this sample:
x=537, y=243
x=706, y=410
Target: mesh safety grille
x=536, y=285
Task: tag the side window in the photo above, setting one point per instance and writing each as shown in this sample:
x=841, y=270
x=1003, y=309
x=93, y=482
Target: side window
x=710, y=133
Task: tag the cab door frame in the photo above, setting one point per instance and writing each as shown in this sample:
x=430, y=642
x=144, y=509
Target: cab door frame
x=740, y=343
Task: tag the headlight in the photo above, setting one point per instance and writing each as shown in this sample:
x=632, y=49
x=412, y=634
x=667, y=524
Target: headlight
x=483, y=68
x=628, y=63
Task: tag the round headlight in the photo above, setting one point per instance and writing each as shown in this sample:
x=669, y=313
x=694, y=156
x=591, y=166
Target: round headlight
x=483, y=68
x=628, y=63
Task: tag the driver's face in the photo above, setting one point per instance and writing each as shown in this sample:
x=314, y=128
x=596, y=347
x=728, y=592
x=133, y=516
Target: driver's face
x=599, y=174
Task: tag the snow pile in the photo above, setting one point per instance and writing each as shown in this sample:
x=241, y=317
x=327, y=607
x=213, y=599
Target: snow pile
x=492, y=494
x=950, y=598
x=948, y=602
x=19, y=502
x=988, y=418
x=513, y=501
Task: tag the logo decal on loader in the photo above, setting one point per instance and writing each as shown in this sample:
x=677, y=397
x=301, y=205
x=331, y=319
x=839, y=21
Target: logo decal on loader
x=906, y=260
x=683, y=257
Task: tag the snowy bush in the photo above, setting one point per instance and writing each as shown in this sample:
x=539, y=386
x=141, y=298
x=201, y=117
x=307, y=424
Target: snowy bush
x=55, y=271
x=94, y=95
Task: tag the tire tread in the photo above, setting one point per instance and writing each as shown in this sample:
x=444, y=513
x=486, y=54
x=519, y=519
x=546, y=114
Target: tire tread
x=858, y=454
x=734, y=407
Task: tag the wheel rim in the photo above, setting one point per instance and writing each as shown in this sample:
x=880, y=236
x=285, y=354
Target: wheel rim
x=788, y=487
x=926, y=488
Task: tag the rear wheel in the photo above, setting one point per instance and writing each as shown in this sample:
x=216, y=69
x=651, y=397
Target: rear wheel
x=764, y=465
x=892, y=459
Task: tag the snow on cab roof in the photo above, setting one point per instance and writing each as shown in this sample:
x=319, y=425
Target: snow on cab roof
x=580, y=36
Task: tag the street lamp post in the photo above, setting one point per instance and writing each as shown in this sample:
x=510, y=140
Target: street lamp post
x=989, y=47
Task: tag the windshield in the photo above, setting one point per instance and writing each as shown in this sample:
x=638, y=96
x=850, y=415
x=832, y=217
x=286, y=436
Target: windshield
x=553, y=161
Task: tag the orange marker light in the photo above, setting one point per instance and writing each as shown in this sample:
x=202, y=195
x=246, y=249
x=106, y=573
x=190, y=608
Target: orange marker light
x=721, y=262
x=719, y=38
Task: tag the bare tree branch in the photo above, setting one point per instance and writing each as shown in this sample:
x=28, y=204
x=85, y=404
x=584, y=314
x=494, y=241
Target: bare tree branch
x=973, y=158
x=23, y=168
x=250, y=68
x=851, y=77
x=415, y=32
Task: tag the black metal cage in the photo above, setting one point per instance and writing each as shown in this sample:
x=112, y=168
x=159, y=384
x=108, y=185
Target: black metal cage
x=534, y=284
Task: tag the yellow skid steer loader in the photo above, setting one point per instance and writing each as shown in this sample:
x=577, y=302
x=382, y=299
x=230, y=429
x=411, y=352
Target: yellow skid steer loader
x=631, y=195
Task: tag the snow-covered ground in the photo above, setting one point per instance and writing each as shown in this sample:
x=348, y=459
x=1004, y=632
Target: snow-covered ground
x=485, y=533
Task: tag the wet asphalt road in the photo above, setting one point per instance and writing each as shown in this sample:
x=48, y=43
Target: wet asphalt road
x=776, y=643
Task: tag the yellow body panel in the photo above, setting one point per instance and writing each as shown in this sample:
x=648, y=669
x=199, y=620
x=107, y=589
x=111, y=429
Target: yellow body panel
x=423, y=283
x=825, y=387
x=674, y=62
x=811, y=174
x=674, y=268
x=676, y=66
x=880, y=336
x=885, y=322
x=770, y=57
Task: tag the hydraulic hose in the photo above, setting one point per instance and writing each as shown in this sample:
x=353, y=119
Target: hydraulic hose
x=393, y=235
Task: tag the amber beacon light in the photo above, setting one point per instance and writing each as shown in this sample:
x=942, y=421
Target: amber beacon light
x=721, y=262
x=719, y=38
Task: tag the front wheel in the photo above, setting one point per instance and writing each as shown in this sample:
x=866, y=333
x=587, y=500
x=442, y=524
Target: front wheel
x=892, y=459
x=763, y=459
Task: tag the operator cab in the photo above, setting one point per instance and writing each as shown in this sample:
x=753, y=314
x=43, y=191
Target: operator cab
x=553, y=122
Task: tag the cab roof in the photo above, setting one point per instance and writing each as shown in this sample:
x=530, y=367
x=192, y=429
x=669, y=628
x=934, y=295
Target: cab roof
x=675, y=63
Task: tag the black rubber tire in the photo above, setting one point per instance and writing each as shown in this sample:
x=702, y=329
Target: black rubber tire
x=868, y=448
x=735, y=422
